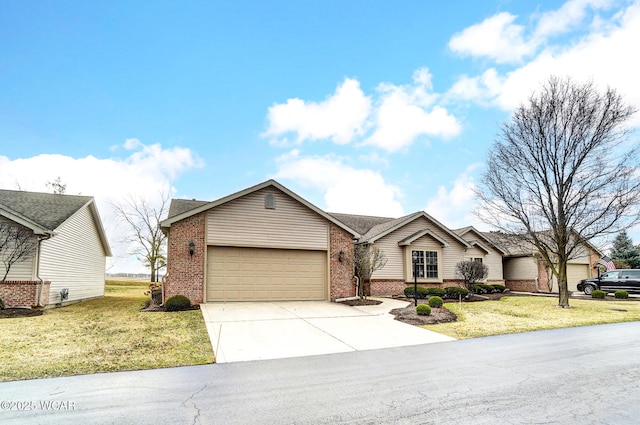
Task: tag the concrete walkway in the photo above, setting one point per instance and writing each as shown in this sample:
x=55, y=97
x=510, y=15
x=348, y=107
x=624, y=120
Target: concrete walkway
x=270, y=330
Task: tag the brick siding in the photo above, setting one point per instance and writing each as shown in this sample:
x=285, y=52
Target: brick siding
x=23, y=293
x=341, y=282
x=526, y=285
x=185, y=273
x=387, y=287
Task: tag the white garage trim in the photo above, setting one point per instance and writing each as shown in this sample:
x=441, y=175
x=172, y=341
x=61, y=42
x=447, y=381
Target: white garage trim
x=265, y=274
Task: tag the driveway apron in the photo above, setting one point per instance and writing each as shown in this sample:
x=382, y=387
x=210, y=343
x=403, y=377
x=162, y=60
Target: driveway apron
x=244, y=331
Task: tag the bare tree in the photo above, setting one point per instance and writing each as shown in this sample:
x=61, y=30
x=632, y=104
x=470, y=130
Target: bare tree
x=563, y=172
x=17, y=244
x=57, y=187
x=366, y=260
x=471, y=272
x=143, y=219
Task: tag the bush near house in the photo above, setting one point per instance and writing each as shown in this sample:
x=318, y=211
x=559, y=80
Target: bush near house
x=598, y=294
x=621, y=294
x=423, y=310
x=498, y=288
x=481, y=288
x=177, y=303
x=424, y=292
x=455, y=292
x=435, y=301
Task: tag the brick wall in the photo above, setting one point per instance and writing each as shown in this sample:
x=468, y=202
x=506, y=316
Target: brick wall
x=23, y=293
x=341, y=282
x=387, y=287
x=185, y=273
x=527, y=285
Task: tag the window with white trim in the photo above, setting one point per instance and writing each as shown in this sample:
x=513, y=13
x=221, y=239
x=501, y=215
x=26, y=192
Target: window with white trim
x=476, y=259
x=426, y=265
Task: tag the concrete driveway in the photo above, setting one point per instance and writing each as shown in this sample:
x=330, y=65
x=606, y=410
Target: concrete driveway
x=270, y=330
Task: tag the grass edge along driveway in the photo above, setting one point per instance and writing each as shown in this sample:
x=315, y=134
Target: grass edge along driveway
x=102, y=335
x=526, y=314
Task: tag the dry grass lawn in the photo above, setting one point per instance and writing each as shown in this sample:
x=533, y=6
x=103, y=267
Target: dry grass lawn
x=102, y=335
x=525, y=314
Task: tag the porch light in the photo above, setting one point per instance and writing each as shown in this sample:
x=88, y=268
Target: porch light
x=341, y=256
x=192, y=247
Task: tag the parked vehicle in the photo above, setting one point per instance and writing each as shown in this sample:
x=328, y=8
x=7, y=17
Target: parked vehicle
x=627, y=279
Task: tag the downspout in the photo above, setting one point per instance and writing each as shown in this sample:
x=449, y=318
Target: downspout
x=357, y=286
x=40, y=239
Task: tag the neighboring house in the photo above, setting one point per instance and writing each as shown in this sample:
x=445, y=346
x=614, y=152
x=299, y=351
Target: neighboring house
x=268, y=243
x=526, y=270
x=439, y=249
x=71, y=253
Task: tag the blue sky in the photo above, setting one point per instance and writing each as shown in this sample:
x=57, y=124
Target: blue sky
x=369, y=107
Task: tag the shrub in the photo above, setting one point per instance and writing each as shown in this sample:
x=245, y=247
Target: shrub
x=598, y=294
x=488, y=289
x=1, y=304
x=439, y=292
x=177, y=303
x=435, y=301
x=621, y=293
x=498, y=288
x=454, y=292
x=422, y=291
x=478, y=289
x=423, y=310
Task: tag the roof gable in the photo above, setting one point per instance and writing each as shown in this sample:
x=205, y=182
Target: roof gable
x=384, y=229
x=43, y=213
x=45, y=210
x=201, y=206
x=417, y=235
x=475, y=237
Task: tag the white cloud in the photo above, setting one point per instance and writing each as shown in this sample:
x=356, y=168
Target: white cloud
x=497, y=37
x=404, y=113
x=346, y=189
x=341, y=117
x=603, y=55
x=570, y=15
x=144, y=173
x=399, y=115
x=455, y=207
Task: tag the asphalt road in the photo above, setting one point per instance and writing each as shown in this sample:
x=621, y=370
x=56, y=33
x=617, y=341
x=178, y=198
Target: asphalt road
x=588, y=375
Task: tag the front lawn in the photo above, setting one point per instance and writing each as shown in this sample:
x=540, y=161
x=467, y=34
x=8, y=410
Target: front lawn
x=525, y=314
x=102, y=335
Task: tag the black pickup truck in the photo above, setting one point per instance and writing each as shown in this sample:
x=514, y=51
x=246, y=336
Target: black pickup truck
x=627, y=279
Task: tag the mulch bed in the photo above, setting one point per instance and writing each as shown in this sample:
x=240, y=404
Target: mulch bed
x=409, y=315
x=9, y=313
x=359, y=302
x=156, y=307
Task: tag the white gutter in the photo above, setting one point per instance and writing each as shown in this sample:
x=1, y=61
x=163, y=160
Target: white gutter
x=40, y=239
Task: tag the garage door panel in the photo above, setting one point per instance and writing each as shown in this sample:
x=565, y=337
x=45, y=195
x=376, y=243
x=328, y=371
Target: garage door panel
x=254, y=274
x=575, y=273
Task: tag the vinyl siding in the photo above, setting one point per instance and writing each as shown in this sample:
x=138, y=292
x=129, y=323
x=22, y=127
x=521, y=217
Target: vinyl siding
x=520, y=268
x=398, y=257
x=75, y=259
x=246, y=222
x=493, y=259
x=24, y=270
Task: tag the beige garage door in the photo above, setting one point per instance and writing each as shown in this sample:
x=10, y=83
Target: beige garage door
x=575, y=273
x=260, y=274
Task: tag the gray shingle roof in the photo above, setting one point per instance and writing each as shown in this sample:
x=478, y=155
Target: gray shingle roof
x=360, y=223
x=179, y=206
x=46, y=210
x=383, y=227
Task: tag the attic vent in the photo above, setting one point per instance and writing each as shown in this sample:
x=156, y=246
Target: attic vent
x=270, y=202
